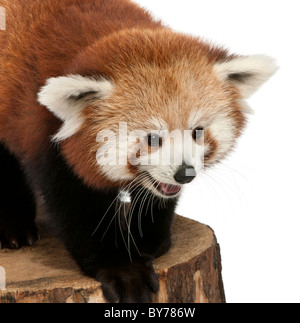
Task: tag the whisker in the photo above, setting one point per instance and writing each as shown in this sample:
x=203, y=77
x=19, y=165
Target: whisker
x=130, y=218
x=118, y=195
x=122, y=234
x=151, y=184
x=153, y=200
x=111, y=221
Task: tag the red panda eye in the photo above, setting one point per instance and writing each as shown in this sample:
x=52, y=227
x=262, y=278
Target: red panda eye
x=198, y=133
x=154, y=140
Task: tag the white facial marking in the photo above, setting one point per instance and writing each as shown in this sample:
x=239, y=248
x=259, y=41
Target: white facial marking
x=195, y=119
x=112, y=154
x=162, y=164
x=223, y=131
x=157, y=124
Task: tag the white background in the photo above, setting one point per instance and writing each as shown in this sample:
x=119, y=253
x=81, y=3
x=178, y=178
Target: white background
x=252, y=200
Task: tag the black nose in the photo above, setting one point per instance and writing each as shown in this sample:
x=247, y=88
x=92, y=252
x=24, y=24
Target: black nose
x=185, y=174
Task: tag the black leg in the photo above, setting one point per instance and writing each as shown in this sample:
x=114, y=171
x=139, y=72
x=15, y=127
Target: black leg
x=17, y=205
x=95, y=235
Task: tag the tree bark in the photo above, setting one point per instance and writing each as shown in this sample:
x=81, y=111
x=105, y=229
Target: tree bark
x=45, y=273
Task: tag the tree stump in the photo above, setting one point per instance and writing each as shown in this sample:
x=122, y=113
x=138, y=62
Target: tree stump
x=45, y=273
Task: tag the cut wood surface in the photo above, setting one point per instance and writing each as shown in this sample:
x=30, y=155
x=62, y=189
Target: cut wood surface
x=45, y=273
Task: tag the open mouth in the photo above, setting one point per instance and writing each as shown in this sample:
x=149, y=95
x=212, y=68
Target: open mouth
x=167, y=190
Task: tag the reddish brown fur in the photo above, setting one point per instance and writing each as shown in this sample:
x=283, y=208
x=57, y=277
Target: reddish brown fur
x=61, y=37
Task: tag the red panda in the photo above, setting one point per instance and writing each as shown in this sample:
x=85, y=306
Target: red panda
x=74, y=73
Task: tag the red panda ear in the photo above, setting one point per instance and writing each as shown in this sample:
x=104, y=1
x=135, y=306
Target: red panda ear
x=247, y=73
x=67, y=96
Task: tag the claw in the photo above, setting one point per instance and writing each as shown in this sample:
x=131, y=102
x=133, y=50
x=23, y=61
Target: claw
x=15, y=236
x=13, y=244
x=130, y=283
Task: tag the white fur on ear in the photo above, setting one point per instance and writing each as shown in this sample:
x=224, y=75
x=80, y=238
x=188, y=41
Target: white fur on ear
x=247, y=73
x=66, y=96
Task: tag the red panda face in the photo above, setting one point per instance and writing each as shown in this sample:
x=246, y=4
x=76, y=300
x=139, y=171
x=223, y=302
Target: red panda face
x=152, y=109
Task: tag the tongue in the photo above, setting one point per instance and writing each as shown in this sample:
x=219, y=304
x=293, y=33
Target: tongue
x=170, y=189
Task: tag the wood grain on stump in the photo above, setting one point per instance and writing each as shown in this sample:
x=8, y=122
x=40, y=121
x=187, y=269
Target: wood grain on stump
x=45, y=273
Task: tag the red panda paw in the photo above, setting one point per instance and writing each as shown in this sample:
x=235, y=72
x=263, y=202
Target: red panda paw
x=15, y=235
x=130, y=283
